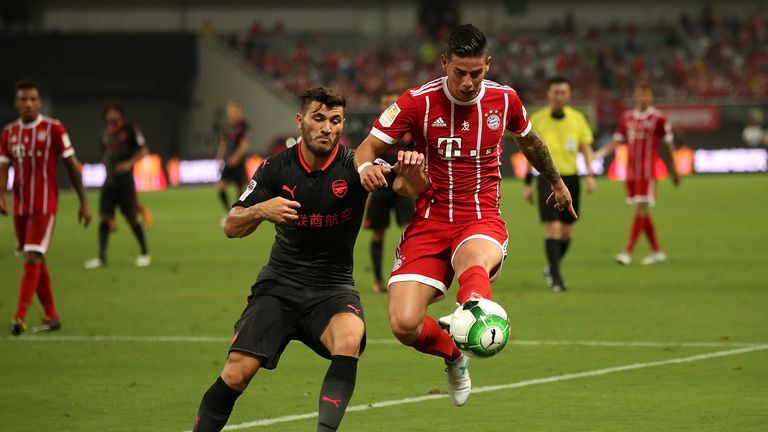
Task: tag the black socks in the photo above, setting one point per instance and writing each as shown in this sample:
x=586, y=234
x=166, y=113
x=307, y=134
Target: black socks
x=336, y=392
x=215, y=407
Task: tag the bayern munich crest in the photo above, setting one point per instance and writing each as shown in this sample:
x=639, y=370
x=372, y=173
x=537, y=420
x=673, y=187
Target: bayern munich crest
x=492, y=120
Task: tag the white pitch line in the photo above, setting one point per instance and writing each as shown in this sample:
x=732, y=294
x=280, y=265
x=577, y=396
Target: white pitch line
x=218, y=339
x=519, y=384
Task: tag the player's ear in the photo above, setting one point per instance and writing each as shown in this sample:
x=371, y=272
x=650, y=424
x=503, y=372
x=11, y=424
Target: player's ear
x=299, y=116
x=488, y=63
x=444, y=61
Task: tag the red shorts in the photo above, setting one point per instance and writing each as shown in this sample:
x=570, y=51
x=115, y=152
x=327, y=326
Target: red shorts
x=33, y=233
x=641, y=191
x=426, y=250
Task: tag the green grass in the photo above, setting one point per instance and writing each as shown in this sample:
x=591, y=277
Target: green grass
x=712, y=289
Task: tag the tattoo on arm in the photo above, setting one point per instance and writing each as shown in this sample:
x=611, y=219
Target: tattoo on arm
x=538, y=155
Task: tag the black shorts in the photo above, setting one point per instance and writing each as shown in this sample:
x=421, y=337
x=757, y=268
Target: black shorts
x=549, y=213
x=235, y=174
x=380, y=205
x=118, y=193
x=273, y=319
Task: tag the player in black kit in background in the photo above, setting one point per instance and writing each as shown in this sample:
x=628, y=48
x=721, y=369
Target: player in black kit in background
x=233, y=146
x=123, y=145
x=383, y=201
x=312, y=193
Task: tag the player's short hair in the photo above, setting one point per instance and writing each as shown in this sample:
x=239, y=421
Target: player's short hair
x=112, y=105
x=643, y=85
x=326, y=96
x=558, y=80
x=466, y=41
x=26, y=84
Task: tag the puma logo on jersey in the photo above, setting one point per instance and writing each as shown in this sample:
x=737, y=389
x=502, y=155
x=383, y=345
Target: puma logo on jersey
x=290, y=191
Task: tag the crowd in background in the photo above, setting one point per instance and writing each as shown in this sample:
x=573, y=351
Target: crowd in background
x=694, y=59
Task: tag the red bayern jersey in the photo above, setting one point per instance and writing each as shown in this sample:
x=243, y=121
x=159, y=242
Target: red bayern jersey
x=34, y=150
x=461, y=142
x=642, y=131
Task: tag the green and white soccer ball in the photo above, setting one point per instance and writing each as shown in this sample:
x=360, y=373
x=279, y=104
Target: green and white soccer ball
x=480, y=328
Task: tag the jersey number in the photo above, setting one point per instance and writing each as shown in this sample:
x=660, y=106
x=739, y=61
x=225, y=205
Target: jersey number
x=449, y=148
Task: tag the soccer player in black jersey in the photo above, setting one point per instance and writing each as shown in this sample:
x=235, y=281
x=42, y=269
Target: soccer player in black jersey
x=123, y=145
x=383, y=201
x=312, y=193
x=233, y=146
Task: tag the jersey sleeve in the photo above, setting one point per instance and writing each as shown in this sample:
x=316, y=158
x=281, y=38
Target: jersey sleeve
x=585, y=132
x=5, y=153
x=397, y=120
x=620, y=134
x=261, y=187
x=517, y=117
x=60, y=140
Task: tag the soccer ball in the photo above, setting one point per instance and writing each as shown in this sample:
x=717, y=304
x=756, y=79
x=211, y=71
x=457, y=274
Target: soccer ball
x=480, y=328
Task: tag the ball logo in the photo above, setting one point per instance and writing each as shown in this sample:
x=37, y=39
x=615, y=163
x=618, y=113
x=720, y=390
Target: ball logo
x=339, y=188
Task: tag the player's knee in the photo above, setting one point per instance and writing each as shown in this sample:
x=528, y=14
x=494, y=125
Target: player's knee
x=405, y=327
x=239, y=370
x=33, y=257
x=347, y=344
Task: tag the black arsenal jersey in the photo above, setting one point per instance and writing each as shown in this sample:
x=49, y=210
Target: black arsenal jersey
x=233, y=134
x=316, y=251
x=120, y=144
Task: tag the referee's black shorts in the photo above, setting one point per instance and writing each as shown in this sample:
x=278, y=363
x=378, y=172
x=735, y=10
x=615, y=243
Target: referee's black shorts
x=548, y=212
x=277, y=316
x=234, y=175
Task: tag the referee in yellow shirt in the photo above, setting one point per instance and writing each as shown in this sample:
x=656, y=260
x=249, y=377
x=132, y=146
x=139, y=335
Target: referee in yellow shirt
x=566, y=132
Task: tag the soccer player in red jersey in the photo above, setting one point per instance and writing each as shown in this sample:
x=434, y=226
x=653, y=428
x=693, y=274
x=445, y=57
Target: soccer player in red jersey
x=642, y=129
x=33, y=144
x=457, y=122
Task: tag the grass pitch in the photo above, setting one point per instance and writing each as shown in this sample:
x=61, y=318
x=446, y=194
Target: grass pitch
x=678, y=346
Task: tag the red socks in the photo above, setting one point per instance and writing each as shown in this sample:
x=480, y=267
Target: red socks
x=29, y=284
x=474, y=280
x=638, y=226
x=433, y=340
x=650, y=231
x=45, y=295
x=643, y=224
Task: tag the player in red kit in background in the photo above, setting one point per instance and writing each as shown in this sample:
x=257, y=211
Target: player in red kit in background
x=33, y=144
x=457, y=122
x=642, y=129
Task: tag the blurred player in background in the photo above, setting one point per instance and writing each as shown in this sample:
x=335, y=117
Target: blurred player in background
x=33, y=144
x=566, y=132
x=123, y=145
x=642, y=129
x=383, y=201
x=306, y=292
x=457, y=122
x=233, y=146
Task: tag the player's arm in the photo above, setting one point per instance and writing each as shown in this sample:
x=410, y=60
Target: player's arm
x=607, y=149
x=670, y=149
x=242, y=221
x=76, y=180
x=372, y=176
x=586, y=150
x=238, y=154
x=3, y=185
x=221, y=149
x=411, y=179
x=538, y=156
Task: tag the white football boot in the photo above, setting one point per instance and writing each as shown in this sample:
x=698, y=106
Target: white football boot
x=654, y=258
x=143, y=261
x=623, y=258
x=459, y=384
x=93, y=263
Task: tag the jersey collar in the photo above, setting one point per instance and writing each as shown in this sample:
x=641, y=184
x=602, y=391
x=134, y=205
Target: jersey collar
x=643, y=114
x=324, y=167
x=32, y=123
x=458, y=102
x=117, y=127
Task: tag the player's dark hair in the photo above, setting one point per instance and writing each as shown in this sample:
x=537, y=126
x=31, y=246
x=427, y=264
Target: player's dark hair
x=558, y=80
x=466, y=41
x=26, y=84
x=643, y=85
x=326, y=96
x=112, y=105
